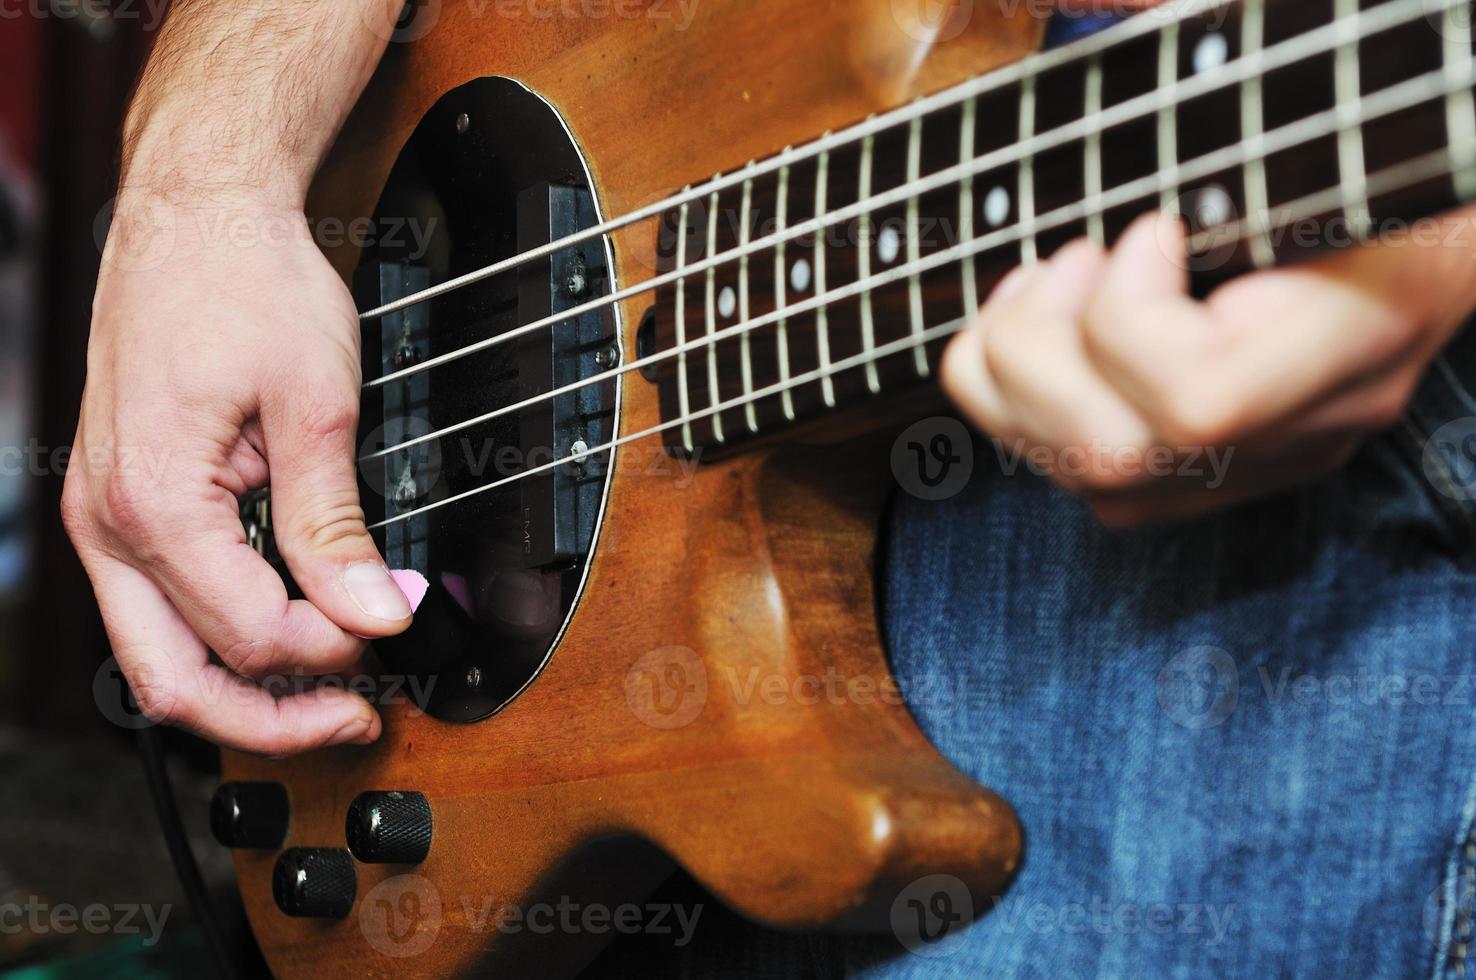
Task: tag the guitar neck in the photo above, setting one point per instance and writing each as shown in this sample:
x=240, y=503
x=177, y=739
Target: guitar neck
x=1275, y=128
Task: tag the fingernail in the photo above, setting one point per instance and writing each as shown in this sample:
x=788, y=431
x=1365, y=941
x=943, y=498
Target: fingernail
x=1010, y=284
x=412, y=583
x=370, y=586
x=355, y=731
x=1074, y=268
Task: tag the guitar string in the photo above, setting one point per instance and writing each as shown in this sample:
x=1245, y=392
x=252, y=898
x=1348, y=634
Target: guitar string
x=1412, y=92
x=1389, y=180
x=1130, y=29
x=1302, y=47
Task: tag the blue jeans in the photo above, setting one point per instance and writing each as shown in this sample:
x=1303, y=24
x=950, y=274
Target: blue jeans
x=1240, y=747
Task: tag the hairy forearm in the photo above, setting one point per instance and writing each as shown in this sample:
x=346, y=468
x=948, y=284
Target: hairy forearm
x=244, y=99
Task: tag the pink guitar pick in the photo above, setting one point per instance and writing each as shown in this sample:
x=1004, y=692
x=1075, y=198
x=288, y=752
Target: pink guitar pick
x=412, y=583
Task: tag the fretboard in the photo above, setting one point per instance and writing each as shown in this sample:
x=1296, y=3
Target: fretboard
x=1276, y=128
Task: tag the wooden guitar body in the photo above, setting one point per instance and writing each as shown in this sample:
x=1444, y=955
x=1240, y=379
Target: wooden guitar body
x=721, y=696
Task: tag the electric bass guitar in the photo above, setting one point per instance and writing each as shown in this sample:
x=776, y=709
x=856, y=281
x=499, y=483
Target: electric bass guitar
x=653, y=300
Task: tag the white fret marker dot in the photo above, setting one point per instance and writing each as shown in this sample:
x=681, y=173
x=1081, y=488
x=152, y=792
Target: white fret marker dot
x=727, y=302
x=1212, y=207
x=997, y=207
x=799, y=275
x=888, y=245
x=1211, y=52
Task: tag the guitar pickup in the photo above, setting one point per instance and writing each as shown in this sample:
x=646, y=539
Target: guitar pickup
x=560, y=503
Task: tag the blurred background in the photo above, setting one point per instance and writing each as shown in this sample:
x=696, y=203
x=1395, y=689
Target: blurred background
x=86, y=885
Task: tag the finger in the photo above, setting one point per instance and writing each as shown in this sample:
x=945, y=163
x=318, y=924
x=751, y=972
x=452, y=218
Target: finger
x=238, y=605
x=1333, y=325
x=310, y=437
x=964, y=372
x=1039, y=363
x=192, y=542
x=1363, y=405
x=175, y=683
x=1208, y=374
x=247, y=461
x=1183, y=497
x=1142, y=328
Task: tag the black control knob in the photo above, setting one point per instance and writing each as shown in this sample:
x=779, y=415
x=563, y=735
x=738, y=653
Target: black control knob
x=314, y=882
x=391, y=827
x=250, y=815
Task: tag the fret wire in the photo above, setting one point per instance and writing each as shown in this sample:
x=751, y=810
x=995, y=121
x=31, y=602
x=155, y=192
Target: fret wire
x=1168, y=115
x=680, y=314
x=1399, y=97
x=1026, y=191
x=966, y=144
x=713, y=390
x=1350, y=137
x=781, y=326
x=1252, y=124
x=900, y=345
x=1433, y=164
x=1437, y=164
x=1097, y=223
x=822, y=315
x=863, y=262
x=1460, y=106
x=1281, y=55
x=1130, y=29
x=914, y=242
x=750, y=410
